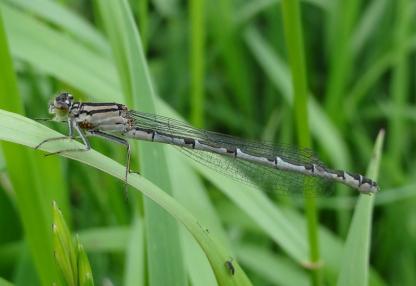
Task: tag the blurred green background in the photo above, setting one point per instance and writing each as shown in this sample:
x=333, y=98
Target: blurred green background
x=235, y=67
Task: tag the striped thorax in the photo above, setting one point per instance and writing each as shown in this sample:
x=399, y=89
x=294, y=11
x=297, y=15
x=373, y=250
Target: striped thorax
x=110, y=117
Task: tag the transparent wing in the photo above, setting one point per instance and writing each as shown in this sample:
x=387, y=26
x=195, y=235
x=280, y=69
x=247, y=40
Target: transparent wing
x=269, y=180
x=181, y=129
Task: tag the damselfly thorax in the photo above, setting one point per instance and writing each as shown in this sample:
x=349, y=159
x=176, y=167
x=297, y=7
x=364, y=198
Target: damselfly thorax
x=282, y=169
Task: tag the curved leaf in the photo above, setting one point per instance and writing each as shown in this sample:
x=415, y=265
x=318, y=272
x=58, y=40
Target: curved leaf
x=21, y=130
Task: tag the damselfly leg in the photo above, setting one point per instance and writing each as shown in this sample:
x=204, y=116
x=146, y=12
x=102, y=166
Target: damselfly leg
x=74, y=125
x=118, y=140
x=52, y=139
x=71, y=125
x=70, y=136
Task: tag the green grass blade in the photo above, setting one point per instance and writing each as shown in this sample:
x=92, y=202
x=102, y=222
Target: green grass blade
x=64, y=248
x=21, y=130
x=35, y=42
x=190, y=192
x=197, y=56
x=134, y=273
x=250, y=9
x=69, y=253
x=277, y=70
x=341, y=58
x=400, y=80
x=117, y=239
x=112, y=239
x=84, y=269
x=367, y=25
x=5, y=283
x=57, y=14
x=32, y=195
x=365, y=82
x=295, y=48
x=265, y=264
x=369, y=77
x=355, y=262
x=144, y=21
x=165, y=262
x=232, y=52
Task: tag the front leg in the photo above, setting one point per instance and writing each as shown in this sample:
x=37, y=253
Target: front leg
x=71, y=135
x=51, y=139
x=87, y=145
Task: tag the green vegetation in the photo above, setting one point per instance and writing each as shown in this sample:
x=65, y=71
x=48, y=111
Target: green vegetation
x=69, y=253
x=332, y=75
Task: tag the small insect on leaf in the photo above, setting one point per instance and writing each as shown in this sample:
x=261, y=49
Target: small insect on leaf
x=230, y=266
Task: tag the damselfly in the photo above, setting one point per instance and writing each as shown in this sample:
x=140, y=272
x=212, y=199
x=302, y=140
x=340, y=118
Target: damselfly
x=280, y=169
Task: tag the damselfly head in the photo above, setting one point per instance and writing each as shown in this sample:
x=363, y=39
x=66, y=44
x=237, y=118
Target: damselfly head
x=60, y=105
